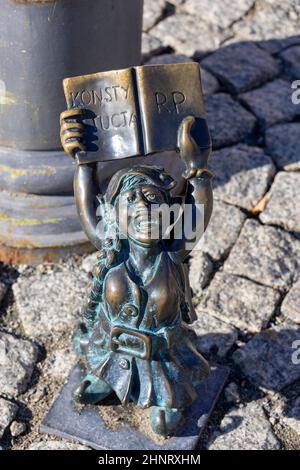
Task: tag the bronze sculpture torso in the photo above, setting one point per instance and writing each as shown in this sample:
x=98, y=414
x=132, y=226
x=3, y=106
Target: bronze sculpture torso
x=154, y=303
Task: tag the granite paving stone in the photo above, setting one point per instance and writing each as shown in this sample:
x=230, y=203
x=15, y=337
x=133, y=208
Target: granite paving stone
x=150, y=45
x=17, y=428
x=240, y=302
x=268, y=20
x=201, y=268
x=265, y=254
x=283, y=144
x=17, y=360
x=272, y=103
x=152, y=12
x=219, y=12
x=51, y=303
x=245, y=428
x=242, y=175
x=169, y=58
x=267, y=359
x=231, y=393
x=249, y=67
x=228, y=121
x=214, y=335
x=47, y=444
x=220, y=237
x=281, y=208
x=209, y=82
x=291, y=58
x=291, y=417
x=188, y=34
x=274, y=46
x=3, y=290
x=60, y=363
x=8, y=411
x=290, y=307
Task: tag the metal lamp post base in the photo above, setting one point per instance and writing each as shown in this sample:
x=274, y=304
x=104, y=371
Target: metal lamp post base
x=38, y=217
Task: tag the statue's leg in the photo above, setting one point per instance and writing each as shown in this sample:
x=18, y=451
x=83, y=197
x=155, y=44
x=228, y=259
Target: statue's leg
x=165, y=421
x=91, y=390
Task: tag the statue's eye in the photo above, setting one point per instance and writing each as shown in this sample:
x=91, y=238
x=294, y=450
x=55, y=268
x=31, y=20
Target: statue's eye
x=152, y=196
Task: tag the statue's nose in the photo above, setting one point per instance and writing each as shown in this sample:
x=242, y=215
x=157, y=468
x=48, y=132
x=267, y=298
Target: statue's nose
x=142, y=202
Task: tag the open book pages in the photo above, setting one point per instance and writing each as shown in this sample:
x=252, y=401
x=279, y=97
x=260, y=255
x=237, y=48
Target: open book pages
x=137, y=111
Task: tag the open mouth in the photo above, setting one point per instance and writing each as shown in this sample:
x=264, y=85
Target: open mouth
x=146, y=222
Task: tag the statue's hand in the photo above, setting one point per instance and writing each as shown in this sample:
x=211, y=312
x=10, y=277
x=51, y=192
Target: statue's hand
x=72, y=131
x=189, y=149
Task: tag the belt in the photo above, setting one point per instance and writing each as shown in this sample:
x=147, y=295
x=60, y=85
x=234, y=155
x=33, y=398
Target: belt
x=120, y=335
x=132, y=341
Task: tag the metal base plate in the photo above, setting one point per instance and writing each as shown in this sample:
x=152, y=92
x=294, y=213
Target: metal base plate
x=88, y=427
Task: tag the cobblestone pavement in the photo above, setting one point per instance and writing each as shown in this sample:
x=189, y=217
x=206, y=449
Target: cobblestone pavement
x=246, y=276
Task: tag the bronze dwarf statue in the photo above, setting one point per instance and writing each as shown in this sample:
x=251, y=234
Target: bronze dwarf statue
x=135, y=340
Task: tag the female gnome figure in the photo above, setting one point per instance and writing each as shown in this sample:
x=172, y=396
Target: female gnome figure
x=135, y=340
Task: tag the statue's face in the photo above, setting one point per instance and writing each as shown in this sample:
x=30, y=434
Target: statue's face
x=138, y=214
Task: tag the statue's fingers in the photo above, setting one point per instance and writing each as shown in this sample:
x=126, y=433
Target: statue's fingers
x=204, y=171
x=72, y=146
x=69, y=127
x=187, y=123
x=71, y=114
x=186, y=143
x=184, y=133
x=73, y=135
x=190, y=173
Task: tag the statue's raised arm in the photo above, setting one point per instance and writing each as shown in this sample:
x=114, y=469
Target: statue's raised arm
x=198, y=201
x=72, y=135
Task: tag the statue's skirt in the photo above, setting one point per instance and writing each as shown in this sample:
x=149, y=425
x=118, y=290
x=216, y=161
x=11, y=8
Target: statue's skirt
x=161, y=368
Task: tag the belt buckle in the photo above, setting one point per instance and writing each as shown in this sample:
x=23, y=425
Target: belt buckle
x=117, y=346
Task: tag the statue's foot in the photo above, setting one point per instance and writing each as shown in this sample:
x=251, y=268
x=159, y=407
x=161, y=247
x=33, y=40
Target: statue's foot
x=91, y=390
x=165, y=421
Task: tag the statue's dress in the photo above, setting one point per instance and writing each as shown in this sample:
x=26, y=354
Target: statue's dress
x=140, y=345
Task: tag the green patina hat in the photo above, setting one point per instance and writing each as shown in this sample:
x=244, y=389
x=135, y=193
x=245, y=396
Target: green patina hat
x=155, y=174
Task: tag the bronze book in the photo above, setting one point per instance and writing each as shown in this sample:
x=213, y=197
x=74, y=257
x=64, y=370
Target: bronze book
x=137, y=111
